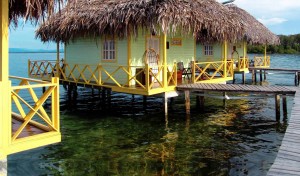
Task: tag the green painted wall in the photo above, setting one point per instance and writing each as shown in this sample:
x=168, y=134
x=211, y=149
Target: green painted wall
x=184, y=53
x=217, y=53
x=88, y=51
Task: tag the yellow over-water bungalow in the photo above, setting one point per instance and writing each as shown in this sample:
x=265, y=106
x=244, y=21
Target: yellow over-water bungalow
x=141, y=47
x=255, y=33
x=25, y=123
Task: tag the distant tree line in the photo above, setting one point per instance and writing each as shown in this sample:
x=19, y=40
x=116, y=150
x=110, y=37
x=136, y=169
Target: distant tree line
x=288, y=45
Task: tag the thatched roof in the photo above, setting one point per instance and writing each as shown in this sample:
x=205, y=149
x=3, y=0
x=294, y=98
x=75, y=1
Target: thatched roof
x=31, y=9
x=202, y=18
x=256, y=32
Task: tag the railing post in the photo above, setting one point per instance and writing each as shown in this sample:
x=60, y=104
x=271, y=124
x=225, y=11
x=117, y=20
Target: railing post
x=5, y=119
x=225, y=59
x=5, y=89
x=193, y=71
x=99, y=75
x=55, y=103
x=147, y=79
x=265, y=57
x=175, y=72
x=165, y=77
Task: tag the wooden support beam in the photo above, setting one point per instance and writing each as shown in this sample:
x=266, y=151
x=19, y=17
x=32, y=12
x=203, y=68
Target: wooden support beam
x=166, y=103
x=144, y=102
x=243, y=77
x=284, y=107
x=187, y=102
x=277, y=107
x=255, y=76
x=260, y=75
x=265, y=75
x=253, y=73
x=296, y=78
x=224, y=99
x=200, y=102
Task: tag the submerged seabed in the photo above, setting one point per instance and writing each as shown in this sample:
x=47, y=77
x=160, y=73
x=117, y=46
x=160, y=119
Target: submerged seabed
x=126, y=138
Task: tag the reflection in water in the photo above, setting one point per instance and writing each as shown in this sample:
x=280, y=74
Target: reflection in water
x=123, y=137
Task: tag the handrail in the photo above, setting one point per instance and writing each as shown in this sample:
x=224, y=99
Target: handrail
x=262, y=61
x=203, y=71
x=243, y=63
x=32, y=111
x=121, y=76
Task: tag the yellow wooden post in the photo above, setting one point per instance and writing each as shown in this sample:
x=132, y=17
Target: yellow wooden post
x=57, y=60
x=148, y=78
x=5, y=99
x=129, y=57
x=225, y=59
x=193, y=72
x=245, y=53
x=165, y=78
x=55, y=103
x=265, y=59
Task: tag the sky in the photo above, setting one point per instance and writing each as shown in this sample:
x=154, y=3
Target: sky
x=280, y=16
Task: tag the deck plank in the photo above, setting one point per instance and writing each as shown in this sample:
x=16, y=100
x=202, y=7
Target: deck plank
x=287, y=161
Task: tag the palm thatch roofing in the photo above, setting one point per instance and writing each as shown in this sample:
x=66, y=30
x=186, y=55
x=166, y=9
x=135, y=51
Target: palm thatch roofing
x=205, y=19
x=33, y=10
x=256, y=32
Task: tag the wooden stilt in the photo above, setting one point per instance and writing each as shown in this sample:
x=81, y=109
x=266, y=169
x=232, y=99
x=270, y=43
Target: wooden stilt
x=265, y=75
x=233, y=81
x=187, y=102
x=255, y=76
x=109, y=97
x=296, y=78
x=171, y=103
x=253, y=72
x=144, y=102
x=197, y=101
x=224, y=99
x=166, y=103
x=277, y=107
x=284, y=107
x=201, y=99
x=260, y=76
x=243, y=77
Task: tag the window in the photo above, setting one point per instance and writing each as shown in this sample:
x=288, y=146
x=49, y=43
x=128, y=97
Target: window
x=208, y=50
x=109, y=52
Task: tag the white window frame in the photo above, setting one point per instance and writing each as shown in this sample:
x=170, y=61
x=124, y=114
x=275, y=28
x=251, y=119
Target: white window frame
x=208, y=50
x=109, y=50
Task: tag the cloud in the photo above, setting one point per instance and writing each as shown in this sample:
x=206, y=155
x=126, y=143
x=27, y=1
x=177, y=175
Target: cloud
x=272, y=21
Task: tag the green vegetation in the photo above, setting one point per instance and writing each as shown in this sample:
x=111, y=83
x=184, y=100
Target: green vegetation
x=289, y=45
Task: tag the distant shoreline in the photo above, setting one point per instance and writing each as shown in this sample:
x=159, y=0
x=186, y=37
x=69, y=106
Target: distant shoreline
x=36, y=52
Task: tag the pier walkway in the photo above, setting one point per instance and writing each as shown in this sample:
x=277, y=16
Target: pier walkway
x=262, y=71
x=287, y=161
x=277, y=91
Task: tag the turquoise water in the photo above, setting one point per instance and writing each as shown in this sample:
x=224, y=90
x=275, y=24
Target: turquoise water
x=125, y=138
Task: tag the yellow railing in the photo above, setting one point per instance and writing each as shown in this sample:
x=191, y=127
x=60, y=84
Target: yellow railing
x=37, y=126
x=243, y=63
x=212, y=71
x=261, y=61
x=144, y=78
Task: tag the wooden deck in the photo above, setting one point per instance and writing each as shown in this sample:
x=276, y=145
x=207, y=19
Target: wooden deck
x=262, y=71
x=275, y=69
x=277, y=91
x=238, y=88
x=29, y=130
x=287, y=161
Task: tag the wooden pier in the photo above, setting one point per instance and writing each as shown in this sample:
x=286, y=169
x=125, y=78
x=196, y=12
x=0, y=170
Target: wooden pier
x=263, y=76
x=287, y=161
x=277, y=91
